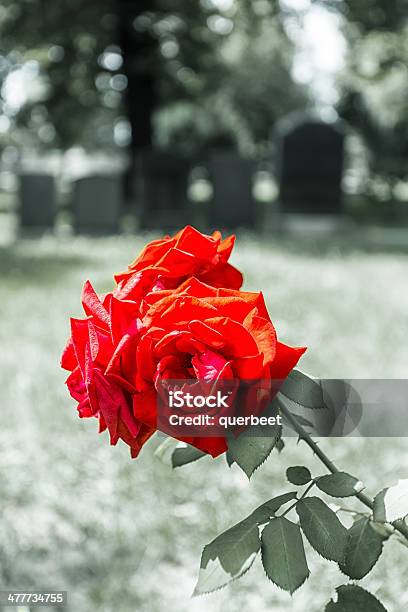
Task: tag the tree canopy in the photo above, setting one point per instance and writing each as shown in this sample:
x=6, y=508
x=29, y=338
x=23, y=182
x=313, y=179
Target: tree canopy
x=190, y=69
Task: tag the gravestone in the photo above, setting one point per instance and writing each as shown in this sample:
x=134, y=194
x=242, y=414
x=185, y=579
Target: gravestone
x=233, y=203
x=97, y=204
x=161, y=184
x=37, y=201
x=311, y=168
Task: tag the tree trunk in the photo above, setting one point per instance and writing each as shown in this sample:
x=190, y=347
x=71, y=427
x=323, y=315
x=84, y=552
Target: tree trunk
x=139, y=49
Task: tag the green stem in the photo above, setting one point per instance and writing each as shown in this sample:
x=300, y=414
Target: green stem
x=305, y=492
x=303, y=435
x=349, y=510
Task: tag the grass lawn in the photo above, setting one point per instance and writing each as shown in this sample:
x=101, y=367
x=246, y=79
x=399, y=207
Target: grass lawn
x=127, y=535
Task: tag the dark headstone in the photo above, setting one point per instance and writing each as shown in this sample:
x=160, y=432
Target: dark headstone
x=311, y=168
x=37, y=206
x=233, y=203
x=97, y=204
x=161, y=184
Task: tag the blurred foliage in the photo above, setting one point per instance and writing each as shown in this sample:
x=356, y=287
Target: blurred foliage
x=183, y=75
x=375, y=87
x=57, y=44
x=102, y=68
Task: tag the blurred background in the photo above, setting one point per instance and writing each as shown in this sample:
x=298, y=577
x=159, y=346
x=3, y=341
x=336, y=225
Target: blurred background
x=120, y=120
x=125, y=115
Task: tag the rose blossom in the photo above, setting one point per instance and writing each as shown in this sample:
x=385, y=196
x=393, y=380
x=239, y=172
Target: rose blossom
x=166, y=263
x=161, y=323
x=198, y=333
x=162, y=264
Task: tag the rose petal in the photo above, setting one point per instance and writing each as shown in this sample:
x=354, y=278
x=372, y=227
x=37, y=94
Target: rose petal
x=285, y=360
x=208, y=365
x=238, y=340
x=68, y=358
x=93, y=306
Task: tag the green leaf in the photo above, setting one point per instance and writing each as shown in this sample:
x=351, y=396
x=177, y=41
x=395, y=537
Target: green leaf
x=280, y=445
x=263, y=513
x=352, y=598
x=364, y=547
x=298, y=475
x=228, y=557
x=322, y=528
x=379, y=507
x=391, y=504
x=250, y=452
x=303, y=390
x=186, y=454
x=229, y=459
x=302, y=421
x=339, y=484
x=253, y=446
x=283, y=554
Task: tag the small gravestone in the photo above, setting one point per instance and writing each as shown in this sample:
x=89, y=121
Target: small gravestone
x=37, y=201
x=311, y=168
x=233, y=203
x=161, y=185
x=97, y=204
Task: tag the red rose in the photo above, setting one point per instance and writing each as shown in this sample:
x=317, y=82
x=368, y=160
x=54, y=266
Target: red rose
x=163, y=324
x=202, y=333
x=166, y=263
x=162, y=264
x=86, y=356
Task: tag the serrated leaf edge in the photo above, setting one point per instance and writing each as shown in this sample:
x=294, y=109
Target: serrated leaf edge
x=375, y=562
x=318, y=552
x=249, y=476
x=279, y=587
x=196, y=593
